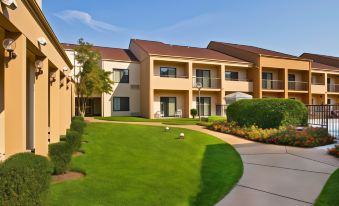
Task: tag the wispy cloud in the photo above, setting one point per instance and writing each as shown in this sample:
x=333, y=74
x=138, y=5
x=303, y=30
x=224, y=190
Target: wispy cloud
x=87, y=19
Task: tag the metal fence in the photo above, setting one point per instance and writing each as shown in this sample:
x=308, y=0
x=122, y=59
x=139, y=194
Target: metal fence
x=326, y=116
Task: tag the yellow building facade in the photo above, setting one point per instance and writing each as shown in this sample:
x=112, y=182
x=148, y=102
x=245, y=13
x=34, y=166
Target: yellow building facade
x=36, y=90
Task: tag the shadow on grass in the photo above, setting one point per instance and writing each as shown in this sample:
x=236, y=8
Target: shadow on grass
x=221, y=169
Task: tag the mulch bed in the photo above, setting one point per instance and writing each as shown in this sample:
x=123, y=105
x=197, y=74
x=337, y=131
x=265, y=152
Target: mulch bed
x=67, y=176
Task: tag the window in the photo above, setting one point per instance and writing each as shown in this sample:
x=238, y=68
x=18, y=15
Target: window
x=168, y=72
x=233, y=76
x=120, y=103
x=121, y=75
x=329, y=101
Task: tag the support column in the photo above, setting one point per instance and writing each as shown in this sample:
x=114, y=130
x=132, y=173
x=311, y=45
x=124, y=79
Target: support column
x=286, y=83
x=41, y=110
x=325, y=95
x=190, y=91
x=15, y=99
x=2, y=101
x=73, y=98
x=151, y=90
x=222, y=90
x=68, y=103
x=62, y=105
x=55, y=107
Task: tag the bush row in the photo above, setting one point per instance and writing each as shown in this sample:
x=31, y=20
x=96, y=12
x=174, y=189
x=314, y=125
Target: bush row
x=308, y=137
x=24, y=180
x=25, y=177
x=268, y=113
x=61, y=153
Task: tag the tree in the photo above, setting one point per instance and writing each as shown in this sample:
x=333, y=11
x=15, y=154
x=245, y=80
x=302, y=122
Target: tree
x=90, y=78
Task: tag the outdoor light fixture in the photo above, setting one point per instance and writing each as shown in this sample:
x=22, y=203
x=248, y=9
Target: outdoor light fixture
x=9, y=45
x=10, y=4
x=182, y=135
x=52, y=78
x=38, y=67
x=42, y=41
x=167, y=129
x=65, y=69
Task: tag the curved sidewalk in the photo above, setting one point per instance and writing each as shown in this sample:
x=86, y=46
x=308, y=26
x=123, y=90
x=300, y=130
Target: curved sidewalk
x=273, y=175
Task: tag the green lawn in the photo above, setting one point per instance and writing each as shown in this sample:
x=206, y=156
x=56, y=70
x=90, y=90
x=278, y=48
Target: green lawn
x=170, y=121
x=330, y=194
x=144, y=165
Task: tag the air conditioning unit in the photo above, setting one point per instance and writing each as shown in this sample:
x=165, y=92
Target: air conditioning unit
x=10, y=4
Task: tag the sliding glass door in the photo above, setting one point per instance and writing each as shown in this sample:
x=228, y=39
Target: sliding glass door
x=204, y=77
x=168, y=106
x=204, y=106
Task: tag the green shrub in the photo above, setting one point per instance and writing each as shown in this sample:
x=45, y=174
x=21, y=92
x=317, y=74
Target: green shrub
x=78, y=118
x=78, y=125
x=194, y=112
x=24, y=180
x=73, y=139
x=60, y=154
x=268, y=113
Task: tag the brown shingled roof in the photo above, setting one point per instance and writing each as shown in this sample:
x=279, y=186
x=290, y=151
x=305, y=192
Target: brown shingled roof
x=109, y=53
x=159, y=48
x=258, y=50
x=316, y=65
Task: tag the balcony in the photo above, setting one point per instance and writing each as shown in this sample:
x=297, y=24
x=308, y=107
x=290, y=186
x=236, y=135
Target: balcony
x=238, y=85
x=333, y=88
x=318, y=88
x=272, y=84
x=297, y=86
x=171, y=82
x=206, y=82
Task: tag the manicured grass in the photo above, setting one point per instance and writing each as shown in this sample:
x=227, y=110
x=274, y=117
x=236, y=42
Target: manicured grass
x=144, y=165
x=330, y=193
x=169, y=121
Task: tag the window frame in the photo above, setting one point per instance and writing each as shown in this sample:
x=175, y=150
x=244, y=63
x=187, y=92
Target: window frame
x=121, y=70
x=120, y=110
x=168, y=68
x=232, y=79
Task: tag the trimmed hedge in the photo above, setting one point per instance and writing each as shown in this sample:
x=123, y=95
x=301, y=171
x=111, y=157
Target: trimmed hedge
x=78, y=118
x=78, y=125
x=24, y=180
x=267, y=113
x=73, y=139
x=61, y=155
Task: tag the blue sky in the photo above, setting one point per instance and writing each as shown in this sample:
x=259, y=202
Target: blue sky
x=290, y=26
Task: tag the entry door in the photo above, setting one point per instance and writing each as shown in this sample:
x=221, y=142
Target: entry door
x=204, y=106
x=204, y=77
x=168, y=106
x=268, y=84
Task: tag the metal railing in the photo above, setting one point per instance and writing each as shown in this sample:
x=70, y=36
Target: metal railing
x=326, y=116
x=297, y=86
x=272, y=84
x=171, y=76
x=333, y=87
x=206, y=82
x=237, y=80
x=221, y=110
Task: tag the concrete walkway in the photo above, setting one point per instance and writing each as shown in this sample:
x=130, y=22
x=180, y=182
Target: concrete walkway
x=273, y=175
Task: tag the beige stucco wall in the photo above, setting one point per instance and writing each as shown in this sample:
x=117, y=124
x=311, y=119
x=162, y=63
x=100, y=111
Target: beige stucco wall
x=131, y=89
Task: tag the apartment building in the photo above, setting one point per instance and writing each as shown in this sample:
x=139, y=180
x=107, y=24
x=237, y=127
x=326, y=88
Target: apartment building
x=154, y=79
x=325, y=78
x=36, y=91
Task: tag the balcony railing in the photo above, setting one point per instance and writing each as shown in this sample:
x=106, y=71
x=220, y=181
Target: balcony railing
x=206, y=82
x=171, y=76
x=297, y=86
x=272, y=84
x=333, y=87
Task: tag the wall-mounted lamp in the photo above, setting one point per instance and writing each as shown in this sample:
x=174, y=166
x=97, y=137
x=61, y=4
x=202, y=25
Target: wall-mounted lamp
x=10, y=4
x=42, y=41
x=65, y=69
x=38, y=67
x=52, y=78
x=9, y=45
